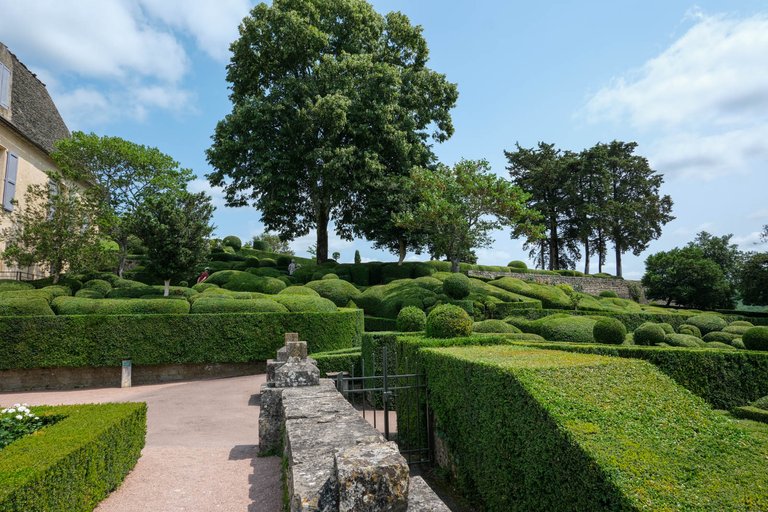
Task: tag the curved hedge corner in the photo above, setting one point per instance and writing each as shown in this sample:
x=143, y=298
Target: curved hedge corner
x=73, y=464
x=583, y=432
x=103, y=340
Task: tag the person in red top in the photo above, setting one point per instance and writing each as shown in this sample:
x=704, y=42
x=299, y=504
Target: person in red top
x=202, y=277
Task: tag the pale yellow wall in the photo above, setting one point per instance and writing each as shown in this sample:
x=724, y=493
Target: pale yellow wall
x=33, y=162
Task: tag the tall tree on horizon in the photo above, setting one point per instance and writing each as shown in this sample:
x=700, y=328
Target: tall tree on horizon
x=635, y=210
x=330, y=100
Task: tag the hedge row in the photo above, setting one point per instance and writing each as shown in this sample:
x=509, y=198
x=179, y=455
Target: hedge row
x=94, y=340
x=533, y=429
x=343, y=360
x=630, y=320
x=73, y=464
x=724, y=378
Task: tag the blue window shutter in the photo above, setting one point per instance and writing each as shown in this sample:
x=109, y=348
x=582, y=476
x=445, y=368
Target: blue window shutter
x=5, y=86
x=9, y=191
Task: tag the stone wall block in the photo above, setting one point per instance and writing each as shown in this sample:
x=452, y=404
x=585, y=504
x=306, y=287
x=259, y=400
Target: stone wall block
x=372, y=477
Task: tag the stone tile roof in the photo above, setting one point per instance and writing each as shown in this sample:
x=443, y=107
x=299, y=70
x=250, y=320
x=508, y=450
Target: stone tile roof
x=33, y=112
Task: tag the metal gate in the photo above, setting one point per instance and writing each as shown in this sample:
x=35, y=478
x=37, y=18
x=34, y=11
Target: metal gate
x=396, y=405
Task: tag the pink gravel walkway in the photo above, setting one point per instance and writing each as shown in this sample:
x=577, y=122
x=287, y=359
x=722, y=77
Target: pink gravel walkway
x=201, y=447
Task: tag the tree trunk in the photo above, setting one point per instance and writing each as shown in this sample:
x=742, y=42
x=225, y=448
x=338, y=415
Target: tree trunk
x=554, y=259
x=322, y=236
x=454, y=264
x=167, y=288
x=586, y=255
x=618, y=259
x=401, y=251
x=56, y=272
x=541, y=254
x=122, y=255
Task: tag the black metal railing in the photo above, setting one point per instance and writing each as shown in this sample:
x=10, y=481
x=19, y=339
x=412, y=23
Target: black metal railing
x=396, y=405
x=20, y=275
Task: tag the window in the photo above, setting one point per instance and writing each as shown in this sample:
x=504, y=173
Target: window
x=5, y=86
x=9, y=190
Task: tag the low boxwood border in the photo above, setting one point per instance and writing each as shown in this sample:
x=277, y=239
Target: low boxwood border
x=88, y=340
x=73, y=464
x=375, y=323
x=751, y=413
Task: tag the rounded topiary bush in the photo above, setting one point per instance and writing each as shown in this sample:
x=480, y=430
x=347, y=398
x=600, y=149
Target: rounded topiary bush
x=648, y=333
x=456, y=286
x=283, y=261
x=267, y=262
x=718, y=345
x=708, y=322
x=738, y=343
x=330, y=276
x=448, y=321
x=756, y=338
x=668, y=329
x=299, y=290
x=494, y=326
x=689, y=329
x=609, y=330
x=609, y=294
x=411, y=319
x=761, y=403
x=720, y=336
x=741, y=323
x=229, y=305
x=336, y=290
x=233, y=242
x=683, y=340
x=305, y=303
x=517, y=264
x=89, y=293
x=201, y=287
x=99, y=285
x=738, y=330
x=266, y=272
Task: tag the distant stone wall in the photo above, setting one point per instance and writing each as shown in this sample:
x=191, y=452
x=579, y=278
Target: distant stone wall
x=590, y=285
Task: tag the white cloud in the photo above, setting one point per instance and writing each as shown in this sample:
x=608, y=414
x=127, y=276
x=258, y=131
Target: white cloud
x=212, y=24
x=761, y=214
x=706, y=96
x=749, y=241
x=202, y=185
x=108, y=60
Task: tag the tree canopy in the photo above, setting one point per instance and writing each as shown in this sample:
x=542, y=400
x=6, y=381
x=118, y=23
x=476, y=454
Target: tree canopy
x=175, y=227
x=753, y=279
x=55, y=226
x=330, y=100
x=122, y=175
x=459, y=206
x=688, y=278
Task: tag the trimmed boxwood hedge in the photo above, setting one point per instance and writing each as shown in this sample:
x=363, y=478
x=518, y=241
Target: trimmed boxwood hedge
x=748, y=412
x=724, y=378
x=374, y=323
x=24, y=306
x=73, y=464
x=83, y=306
x=537, y=430
x=631, y=320
x=343, y=360
x=103, y=340
x=225, y=305
x=336, y=290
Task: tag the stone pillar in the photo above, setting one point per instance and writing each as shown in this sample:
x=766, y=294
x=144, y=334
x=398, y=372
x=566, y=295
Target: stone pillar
x=292, y=368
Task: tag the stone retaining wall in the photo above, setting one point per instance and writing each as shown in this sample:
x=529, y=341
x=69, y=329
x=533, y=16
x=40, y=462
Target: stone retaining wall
x=590, y=285
x=33, y=379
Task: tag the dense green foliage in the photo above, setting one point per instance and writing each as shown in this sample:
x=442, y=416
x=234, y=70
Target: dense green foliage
x=621, y=434
x=756, y=338
x=494, y=326
x=342, y=360
x=24, y=306
x=84, y=306
x=338, y=291
x=724, y=378
x=753, y=280
x=456, y=286
x=550, y=296
x=683, y=340
x=411, y=319
x=609, y=330
x=649, y=333
x=103, y=340
x=221, y=304
x=73, y=464
x=707, y=322
x=335, y=68
x=448, y=321
x=687, y=278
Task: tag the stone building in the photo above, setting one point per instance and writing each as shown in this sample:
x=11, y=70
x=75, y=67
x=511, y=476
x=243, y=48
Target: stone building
x=30, y=125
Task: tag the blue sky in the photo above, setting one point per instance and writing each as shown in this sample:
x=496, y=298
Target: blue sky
x=687, y=81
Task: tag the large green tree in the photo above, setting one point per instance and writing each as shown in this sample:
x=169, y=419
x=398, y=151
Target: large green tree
x=635, y=210
x=175, y=227
x=544, y=173
x=753, y=279
x=688, y=278
x=460, y=206
x=330, y=100
x=720, y=250
x=55, y=226
x=121, y=175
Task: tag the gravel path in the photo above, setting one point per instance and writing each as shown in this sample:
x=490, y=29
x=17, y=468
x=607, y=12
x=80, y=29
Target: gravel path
x=201, y=447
